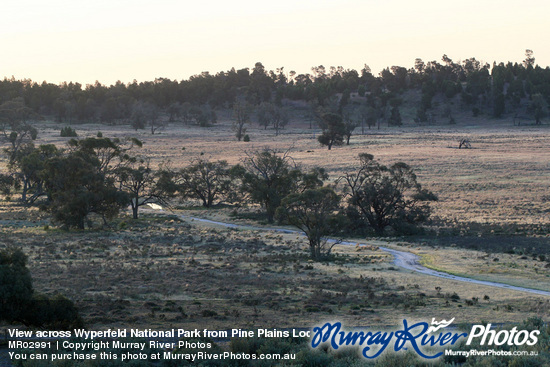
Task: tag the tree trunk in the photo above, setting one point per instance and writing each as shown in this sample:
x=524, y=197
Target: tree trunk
x=135, y=208
x=24, y=193
x=315, y=250
x=270, y=215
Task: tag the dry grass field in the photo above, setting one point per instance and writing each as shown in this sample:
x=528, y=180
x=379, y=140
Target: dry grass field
x=161, y=271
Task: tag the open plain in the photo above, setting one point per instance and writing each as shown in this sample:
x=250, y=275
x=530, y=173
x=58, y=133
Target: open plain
x=491, y=223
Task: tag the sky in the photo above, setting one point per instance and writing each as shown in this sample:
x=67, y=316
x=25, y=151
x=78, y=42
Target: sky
x=110, y=40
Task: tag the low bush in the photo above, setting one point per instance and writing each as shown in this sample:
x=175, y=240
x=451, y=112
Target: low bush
x=68, y=132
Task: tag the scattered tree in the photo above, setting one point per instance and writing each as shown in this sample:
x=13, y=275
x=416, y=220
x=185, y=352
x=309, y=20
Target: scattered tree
x=83, y=181
x=334, y=130
x=143, y=185
x=241, y=117
x=263, y=113
x=538, y=107
x=14, y=116
x=271, y=115
x=387, y=196
x=350, y=124
x=77, y=187
x=144, y=113
x=313, y=211
x=28, y=169
x=205, y=180
x=367, y=116
x=204, y=116
x=267, y=177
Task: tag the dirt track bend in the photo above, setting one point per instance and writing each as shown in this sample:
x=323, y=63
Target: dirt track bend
x=403, y=259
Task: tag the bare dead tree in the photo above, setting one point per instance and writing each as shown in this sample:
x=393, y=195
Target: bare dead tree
x=464, y=143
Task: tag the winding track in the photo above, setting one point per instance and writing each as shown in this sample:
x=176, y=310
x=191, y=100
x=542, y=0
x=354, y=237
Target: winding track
x=403, y=259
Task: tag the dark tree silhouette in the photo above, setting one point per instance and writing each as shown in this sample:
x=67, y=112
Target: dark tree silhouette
x=334, y=130
x=241, y=117
x=204, y=180
x=387, y=196
x=143, y=185
x=313, y=211
x=14, y=116
x=267, y=177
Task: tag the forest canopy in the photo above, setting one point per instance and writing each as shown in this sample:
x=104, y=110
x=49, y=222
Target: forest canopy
x=513, y=89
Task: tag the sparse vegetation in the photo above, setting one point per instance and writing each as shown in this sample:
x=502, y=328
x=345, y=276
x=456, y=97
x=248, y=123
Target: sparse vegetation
x=150, y=272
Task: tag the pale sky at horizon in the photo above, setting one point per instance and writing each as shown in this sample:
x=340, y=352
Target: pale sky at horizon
x=125, y=40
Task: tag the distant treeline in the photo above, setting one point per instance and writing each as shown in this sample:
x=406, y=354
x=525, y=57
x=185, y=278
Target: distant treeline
x=521, y=90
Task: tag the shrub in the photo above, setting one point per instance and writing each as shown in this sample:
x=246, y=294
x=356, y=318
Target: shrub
x=55, y=313
x=15, y=284
x=68, y=131
x=18, y=302
x=209, y=313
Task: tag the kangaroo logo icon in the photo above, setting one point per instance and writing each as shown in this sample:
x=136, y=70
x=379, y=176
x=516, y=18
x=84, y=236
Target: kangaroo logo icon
x=439, y=325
